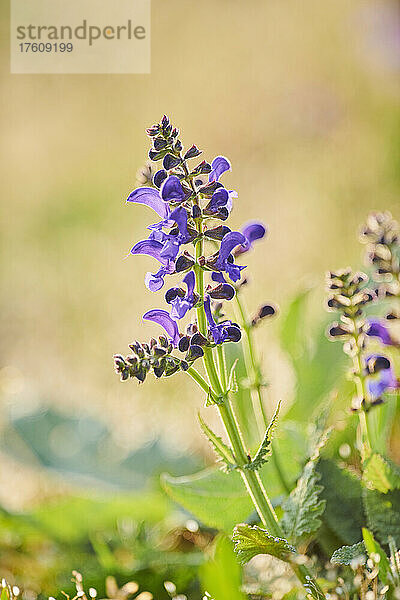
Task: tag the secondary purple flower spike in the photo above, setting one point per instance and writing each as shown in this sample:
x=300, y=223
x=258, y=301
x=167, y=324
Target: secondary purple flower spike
x=380, y=375
x=162, y=317
x=378, y=329
x=172, y=190
x=181, y=304
x=221, y=332
x=219, y=165
x=149, y=197
x=252, y=232
x=225, y=261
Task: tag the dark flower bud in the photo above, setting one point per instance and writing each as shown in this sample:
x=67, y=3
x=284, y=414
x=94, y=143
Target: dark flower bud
x=192, y=152
x=175, y=132
x=152, y=131
x=159, y=352
x=183, y=263
x=194, y=353
x=223, y=291
x=337, y=330
x=191, y=329
x=184, y=365
x=196, y=211
x=132, y=360
x=173, y=293
x=222, y=213
x=172, y=366
x=234, y=333
x=152, y=342
x=178, y=146
x=378, y=363
x=184, y=343
x=146, y=348
x=170, y=161
x=202, y=169
x=217, y=233
x=159, y=143
x=392, y=316
x=159, y=177
x=209, y=188
x=156, y=155
x=159, y=369
x=141, y=374
x=164, y=121
x=198, y=339
x=163, y=341
x=265, y=311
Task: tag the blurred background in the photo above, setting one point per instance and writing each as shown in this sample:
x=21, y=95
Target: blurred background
x=303, y=97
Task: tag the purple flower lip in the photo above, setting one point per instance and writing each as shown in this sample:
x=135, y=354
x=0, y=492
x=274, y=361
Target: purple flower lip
x=381, y=376
x=162, y=317
x=225, y=261
x=181, y=303
x=252, y=231
x=221, y=332
x=219, y=165
x=377, y=328
x=149, y=197
x=172, y=190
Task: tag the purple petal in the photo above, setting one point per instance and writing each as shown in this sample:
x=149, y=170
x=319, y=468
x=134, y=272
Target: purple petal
x=190, y=281
x=179, y=215
x=219, y=165
x=379, y=330
x=229, y=242
x=151, y=248
x=232, y=196
x=218, y=277
x=162, y=317
x=207, y=310
x=150, y=197
x=254, y=231
x=172, y=190
x=154, y=281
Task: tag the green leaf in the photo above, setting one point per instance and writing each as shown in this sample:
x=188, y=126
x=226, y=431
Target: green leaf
x=224, y=453
x=303, y=507
x=221, y=575
x=344, y=513
x=292, y=334
x=250, y=540
x=383, y=514
x=346, y=554
x=381, y=474
x=265, y=449
x=373, y=547
x=216, y=499
x=5, y=594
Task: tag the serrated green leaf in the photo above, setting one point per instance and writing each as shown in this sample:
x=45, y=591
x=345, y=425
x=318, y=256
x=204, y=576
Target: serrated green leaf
x=373, y=547
x=346, y=554
x=303, y=507
x=383, y=514
x=344, y=513
x=211, y=496
x=224, y=453
x=250, y=540
x=265, y=449
x=381, y=474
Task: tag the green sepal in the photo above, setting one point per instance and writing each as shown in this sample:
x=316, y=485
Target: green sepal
x=250, y=540
x=265, y=449
x=224, y=453
x=346, y=554
x=213, y=399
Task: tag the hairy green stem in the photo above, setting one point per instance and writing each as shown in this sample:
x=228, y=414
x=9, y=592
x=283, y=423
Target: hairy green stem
x=256, y=393
x=218, y=384
x=361, y=387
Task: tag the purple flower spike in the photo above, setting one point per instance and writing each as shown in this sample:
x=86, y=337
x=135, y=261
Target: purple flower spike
x=225, y=261
x=172, y=190
x=150, y=197
x=219, y=165
x=379, y=330
x=252, y=232
x=380, y=376
x=162, y=317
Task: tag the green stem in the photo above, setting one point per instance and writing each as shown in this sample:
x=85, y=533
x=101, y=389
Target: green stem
x=199, y=379
x=361, y=387
x=251, y=479
x=253, y=374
